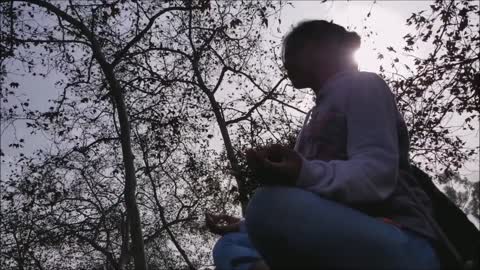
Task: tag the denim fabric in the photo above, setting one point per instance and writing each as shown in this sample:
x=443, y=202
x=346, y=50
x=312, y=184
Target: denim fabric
x=291, y=228
x=234, y=251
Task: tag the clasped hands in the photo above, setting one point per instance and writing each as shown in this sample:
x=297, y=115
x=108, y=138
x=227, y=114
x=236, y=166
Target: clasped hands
x=271, y=165
x=274, y=165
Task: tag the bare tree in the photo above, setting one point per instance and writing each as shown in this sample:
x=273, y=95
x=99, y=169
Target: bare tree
x=165, y=73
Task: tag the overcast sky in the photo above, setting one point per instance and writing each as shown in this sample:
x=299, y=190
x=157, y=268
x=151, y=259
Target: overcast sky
x=387, y=20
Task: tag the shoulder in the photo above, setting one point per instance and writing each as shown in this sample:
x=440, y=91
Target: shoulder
x=363, y=79
x=360, y=89
x=357, y=84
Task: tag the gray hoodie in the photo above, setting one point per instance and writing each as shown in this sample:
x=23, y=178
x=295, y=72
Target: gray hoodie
x=354, y=143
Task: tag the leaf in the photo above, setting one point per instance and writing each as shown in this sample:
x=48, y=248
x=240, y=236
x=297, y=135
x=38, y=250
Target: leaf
x=391, y=49
x=14, y=84
x=265, y=22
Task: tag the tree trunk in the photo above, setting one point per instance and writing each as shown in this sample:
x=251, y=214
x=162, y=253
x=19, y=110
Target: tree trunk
x=225, y=136
x=133, y=214
x=230, y=153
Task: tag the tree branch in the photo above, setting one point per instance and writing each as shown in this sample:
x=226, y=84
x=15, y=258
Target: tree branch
x=120, y=54
x=258, y=104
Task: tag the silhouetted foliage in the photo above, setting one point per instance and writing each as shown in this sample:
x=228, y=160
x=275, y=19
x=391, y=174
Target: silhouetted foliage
x=176, y=78
x=461, y=191
x=432, y=90
x=197, y=83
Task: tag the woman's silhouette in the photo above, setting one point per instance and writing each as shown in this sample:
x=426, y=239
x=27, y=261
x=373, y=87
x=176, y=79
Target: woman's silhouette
x=333, y=202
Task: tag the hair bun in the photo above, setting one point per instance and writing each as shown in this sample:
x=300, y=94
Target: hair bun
x=352, y=40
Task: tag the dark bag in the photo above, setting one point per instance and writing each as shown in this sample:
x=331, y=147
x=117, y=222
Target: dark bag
x=457, y=228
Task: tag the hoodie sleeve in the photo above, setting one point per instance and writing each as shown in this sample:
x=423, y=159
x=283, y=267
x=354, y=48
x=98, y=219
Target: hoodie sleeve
x=369, y=173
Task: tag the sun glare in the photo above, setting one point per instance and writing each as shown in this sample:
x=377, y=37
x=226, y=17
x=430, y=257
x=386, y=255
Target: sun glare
x=366, y=59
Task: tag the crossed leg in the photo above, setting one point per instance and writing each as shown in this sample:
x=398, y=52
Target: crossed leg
x=295, y=229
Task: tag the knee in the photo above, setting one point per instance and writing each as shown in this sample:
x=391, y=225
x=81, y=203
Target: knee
x=274, y=200
x=269, y=206
x=226, y=248
x=222, y=245
x=263, y=204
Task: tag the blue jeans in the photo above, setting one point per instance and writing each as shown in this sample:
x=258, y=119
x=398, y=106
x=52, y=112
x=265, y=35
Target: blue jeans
x=290, y=228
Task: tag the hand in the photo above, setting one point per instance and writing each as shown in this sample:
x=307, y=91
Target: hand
x=275, y=164
x=222, y=224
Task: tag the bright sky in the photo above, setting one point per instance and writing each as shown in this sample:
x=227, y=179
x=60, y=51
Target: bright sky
x=387, y=20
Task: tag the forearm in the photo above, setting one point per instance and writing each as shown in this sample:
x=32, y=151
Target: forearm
x=351, y=181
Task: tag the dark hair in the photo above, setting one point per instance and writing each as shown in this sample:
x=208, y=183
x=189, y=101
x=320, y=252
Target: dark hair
x=322, y=32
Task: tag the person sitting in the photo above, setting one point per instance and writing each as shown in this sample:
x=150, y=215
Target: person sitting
x=334, y=201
